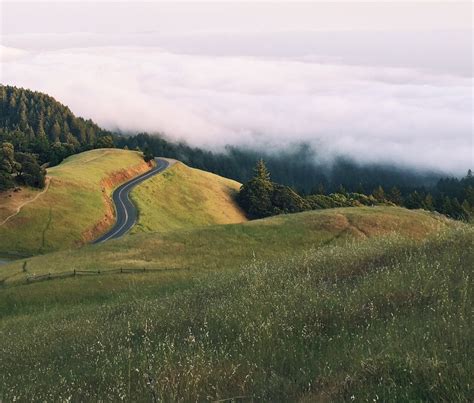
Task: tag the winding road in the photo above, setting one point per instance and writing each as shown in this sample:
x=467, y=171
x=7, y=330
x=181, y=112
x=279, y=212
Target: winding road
x=125, y=210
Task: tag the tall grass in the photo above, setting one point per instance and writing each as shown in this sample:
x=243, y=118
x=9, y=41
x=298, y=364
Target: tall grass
x=383, y=320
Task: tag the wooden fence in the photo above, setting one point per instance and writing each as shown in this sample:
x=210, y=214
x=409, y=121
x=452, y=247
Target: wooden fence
x=74, y=273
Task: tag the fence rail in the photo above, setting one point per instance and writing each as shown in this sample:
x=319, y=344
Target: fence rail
x=74, y=273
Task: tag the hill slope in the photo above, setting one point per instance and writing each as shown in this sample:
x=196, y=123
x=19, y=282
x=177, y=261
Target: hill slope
x=183, y=197
x=230, y=246
x=74, y=208
x=316, y=306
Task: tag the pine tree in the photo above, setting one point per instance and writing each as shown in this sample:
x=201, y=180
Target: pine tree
x=447, y=207
x=56, y=132
x=395, y=196
x=342, y=190
x=255, y=196
x=379, y=194
x=261, y=171
x=428, y=202
x=414, y=201
x=466, y=206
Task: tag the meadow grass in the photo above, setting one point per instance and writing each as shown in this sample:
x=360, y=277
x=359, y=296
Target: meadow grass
x=379, y=318
x=212, y=247
x=73, y=204
x=183, y=197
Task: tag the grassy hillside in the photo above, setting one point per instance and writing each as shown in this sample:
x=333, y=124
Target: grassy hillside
x=74, y=207
x=184, y=197
x=212, y=247
x=347, y=314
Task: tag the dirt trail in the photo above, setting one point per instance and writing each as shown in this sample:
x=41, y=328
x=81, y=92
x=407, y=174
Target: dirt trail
x=18, y=209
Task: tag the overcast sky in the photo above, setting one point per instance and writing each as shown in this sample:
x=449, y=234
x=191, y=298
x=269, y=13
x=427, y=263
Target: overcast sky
x=379, y=81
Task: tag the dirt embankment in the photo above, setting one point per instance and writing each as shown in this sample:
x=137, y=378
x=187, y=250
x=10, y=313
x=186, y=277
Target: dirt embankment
x=107, y=185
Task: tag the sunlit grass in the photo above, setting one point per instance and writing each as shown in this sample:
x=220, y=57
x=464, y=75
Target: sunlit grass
x=73, y=204
x=183, y=197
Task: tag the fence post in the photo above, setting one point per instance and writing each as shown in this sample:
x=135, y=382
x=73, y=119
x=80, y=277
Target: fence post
x=121, y=270
x=98, y=271
x=74, y=272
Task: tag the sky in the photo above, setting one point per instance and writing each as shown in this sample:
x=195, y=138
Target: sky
x=377, y=81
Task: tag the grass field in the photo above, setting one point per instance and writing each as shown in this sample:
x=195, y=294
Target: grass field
x=356, y=305
x=73, y=209
x=350, y=304
x=76, y=207
x=212, y=247
x=184, y=197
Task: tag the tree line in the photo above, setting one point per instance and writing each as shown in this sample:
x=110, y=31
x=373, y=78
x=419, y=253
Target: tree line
x=37, y=124
x=299, y=167
x=261, y=197
x=43, y=132
x=19, y=168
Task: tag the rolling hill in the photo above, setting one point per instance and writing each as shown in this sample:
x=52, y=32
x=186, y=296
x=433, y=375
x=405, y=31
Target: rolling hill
x=183, y=197
x=75, y=207
x=364, y=303
x=214, y=247
x=360, y=303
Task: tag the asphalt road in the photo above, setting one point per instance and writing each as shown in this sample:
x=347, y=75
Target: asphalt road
x=125, y=210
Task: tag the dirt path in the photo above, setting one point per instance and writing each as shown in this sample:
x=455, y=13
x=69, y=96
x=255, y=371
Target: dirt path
x=18, y=209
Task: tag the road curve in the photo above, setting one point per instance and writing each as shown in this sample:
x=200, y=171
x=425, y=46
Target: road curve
x=125, y=210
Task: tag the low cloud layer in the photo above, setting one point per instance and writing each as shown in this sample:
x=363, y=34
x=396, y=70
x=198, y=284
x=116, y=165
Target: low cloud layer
x=373, y=114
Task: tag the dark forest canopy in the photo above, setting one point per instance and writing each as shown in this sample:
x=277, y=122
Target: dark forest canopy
x=296, y=167
x=261, y=197
x=37, y=124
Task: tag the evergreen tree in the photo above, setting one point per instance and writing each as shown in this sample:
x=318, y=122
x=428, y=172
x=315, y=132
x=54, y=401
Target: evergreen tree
x=395, y=196
x=261, y=171
x=447, y=207
x=428, y=202
x=105, y=142
x=414, y=201
x=255, y=196
x=379, y=194
x=148, y=155
x=342, y=190
x=56, y=132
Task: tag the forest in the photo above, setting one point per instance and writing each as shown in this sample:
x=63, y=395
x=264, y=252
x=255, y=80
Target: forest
x=261, y=197
x=36, y=131
x=36, y=123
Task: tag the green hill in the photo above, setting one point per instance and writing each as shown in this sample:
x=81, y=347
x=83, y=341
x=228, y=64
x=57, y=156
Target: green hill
x=356, y=303
x=184, y=197
x=230, y=246
x=74, y=208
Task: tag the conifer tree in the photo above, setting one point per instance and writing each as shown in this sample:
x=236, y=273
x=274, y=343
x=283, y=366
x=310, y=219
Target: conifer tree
x=379, y=194
x=395, y=196
x=255, y=196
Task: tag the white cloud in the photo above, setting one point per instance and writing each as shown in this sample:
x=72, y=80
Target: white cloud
x=397, y=115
